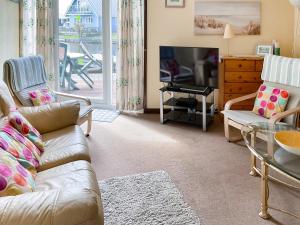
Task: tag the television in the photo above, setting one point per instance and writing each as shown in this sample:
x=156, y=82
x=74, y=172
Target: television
x=189, y=66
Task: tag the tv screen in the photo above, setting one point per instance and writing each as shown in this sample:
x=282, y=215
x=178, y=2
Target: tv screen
x=196, y=67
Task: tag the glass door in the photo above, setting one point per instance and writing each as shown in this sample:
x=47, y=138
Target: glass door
x=87, y=29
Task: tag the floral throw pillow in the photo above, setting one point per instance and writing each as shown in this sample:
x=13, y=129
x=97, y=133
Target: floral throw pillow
x=24, y=156
x=14, y=178
x=42, y=96
x=19, y=122
x=270, y=101
x=7, y=128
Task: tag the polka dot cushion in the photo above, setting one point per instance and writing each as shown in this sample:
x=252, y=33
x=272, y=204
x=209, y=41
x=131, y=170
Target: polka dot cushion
x=19, y=122
x=270, y=101
x=7, y=128
x=24, y=156
x=14, y=178
x=42, y=97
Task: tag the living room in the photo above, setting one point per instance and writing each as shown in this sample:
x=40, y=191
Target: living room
x=100, y=126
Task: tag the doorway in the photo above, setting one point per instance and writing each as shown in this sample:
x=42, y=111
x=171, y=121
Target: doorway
x=88, y=49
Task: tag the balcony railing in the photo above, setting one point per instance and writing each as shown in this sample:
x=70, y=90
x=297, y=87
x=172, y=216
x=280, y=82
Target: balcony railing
x=79, y=9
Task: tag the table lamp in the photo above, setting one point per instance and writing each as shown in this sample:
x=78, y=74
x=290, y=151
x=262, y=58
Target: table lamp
x=228, y=34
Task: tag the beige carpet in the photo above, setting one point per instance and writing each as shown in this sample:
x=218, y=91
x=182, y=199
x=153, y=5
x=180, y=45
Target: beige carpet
x=211, y=173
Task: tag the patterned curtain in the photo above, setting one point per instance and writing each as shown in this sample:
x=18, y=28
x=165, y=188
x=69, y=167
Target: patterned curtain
x=130, y=80
x=39, y=33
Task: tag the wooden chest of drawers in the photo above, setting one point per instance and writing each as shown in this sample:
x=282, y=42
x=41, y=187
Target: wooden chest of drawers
x=239, y=76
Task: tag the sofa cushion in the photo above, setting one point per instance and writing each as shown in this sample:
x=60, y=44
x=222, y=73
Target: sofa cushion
x=42, y=96
x=53, y=116
x=19, y=122
x=270, y=101
x=23, y=154
x=63, y=146
x=294, y=100
x=7, y=128
x=78, y=174
x=67, y=195
x=14, y=178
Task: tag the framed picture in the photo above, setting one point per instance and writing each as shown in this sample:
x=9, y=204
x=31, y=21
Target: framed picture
x=211, y=17
x=175, y=3
x=264, y=49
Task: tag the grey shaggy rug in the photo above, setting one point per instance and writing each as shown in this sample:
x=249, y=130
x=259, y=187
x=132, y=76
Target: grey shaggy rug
x=145, y=199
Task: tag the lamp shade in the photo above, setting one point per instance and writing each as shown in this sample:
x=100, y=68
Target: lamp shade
x=295, y=3
x=228, y=33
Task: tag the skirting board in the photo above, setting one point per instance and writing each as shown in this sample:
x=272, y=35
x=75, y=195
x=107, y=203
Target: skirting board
x=151, y=111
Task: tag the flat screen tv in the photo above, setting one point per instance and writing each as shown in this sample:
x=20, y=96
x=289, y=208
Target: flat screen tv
x=189, y=66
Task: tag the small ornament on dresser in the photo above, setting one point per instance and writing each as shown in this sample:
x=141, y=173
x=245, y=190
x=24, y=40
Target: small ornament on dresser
x=264, y=50
x=277, y=48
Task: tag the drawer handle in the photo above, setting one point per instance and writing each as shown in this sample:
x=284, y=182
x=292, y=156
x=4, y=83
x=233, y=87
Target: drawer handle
x=240, y=65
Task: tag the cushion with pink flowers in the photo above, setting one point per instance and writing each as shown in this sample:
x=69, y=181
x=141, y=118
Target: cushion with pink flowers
x=24, y=156
x=21, y=124
x=42, y=96
x=14, y=178
x=9, y=129
x=270, y=101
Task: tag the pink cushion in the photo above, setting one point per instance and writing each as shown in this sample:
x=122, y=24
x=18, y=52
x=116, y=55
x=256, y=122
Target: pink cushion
x=21, y=124
x=24, y=155
x=42, y=97
x=9, y=129
x=270, y=101
x=14, y=178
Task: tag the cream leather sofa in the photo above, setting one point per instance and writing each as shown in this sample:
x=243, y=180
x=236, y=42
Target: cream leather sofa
x=67, y=191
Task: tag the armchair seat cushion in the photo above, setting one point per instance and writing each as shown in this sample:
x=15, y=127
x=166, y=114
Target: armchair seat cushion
x=244, y=117
x=63, y=146
x=78, y=174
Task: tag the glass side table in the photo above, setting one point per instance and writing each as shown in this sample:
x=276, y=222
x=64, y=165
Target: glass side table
x=259, y=138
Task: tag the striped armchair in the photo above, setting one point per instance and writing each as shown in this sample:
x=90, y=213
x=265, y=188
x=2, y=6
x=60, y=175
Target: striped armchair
x=26, y=74
x=281, y=72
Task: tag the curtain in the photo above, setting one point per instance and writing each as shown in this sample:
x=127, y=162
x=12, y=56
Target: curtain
x=130, y=74
x=39, y=33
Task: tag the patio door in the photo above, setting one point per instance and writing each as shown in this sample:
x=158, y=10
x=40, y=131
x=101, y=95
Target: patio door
x=88, y=49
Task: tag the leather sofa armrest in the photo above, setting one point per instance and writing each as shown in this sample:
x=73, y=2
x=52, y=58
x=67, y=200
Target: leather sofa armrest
x=51, y=117
x=53, y=207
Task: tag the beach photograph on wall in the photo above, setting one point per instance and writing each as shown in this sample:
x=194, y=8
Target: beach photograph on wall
x=212, y=16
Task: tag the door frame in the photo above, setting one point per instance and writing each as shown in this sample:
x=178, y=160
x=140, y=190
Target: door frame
x=107, y=55
x=106, y=102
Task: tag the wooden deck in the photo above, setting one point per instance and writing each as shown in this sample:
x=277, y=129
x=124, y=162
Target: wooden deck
x=96, y=91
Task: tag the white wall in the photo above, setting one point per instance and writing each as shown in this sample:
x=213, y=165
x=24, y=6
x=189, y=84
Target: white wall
x=297, y=33
x=169, y=26
x=9, y=31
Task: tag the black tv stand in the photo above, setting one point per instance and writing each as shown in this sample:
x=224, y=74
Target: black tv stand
x=187, y=109
x=189, y=89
